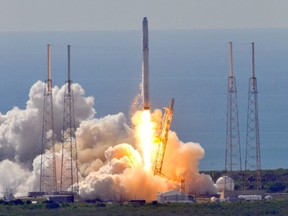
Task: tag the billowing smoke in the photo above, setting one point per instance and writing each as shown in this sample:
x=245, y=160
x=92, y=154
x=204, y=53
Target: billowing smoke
x=21, y=135
x=95, y=136
x=109, y=158
x=21, y=130
x=121, y=175
x=13, y=176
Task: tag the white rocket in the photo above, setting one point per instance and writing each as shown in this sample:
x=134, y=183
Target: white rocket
x=145, y=66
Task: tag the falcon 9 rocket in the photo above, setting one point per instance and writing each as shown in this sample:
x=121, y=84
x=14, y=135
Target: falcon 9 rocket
x=145, y=66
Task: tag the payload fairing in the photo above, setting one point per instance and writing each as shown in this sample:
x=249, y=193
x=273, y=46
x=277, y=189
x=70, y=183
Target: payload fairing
x=145, y=66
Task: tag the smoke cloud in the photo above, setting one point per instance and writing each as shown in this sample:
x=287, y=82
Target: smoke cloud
x=21, y=130
x=109, y=157
x=121, y=175
x=13, y=176
x=21, y=133
x=95, y=136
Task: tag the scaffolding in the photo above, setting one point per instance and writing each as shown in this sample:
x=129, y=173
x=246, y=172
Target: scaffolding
x=252, y=179
x=69, y=168
x=48, y=163
x=163, y=138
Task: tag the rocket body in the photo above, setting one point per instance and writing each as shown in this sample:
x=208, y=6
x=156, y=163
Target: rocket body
x=145, y=66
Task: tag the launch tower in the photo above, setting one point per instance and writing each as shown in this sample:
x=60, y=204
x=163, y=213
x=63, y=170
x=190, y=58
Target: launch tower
x=233, y=151
x=69, y=169
x=48, y=162
x=252, y=156
x=163, y=138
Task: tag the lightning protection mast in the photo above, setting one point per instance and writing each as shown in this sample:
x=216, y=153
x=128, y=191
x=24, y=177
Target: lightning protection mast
x=252, y=156
x=48, y=182
x=233, y=151
x=69, y=168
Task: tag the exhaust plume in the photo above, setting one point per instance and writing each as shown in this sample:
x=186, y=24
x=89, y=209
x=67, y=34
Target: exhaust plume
x=110, y=155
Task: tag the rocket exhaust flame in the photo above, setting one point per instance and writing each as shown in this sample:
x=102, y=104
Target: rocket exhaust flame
x=145, y=136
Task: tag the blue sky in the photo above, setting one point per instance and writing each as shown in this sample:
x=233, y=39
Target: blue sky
x=77, y=15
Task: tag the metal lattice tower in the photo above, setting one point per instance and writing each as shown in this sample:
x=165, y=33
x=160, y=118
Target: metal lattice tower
x=163, y=138
x=69, y=168
x=48, y=181
x=252, y=156
x=182, y=185
x=233, y=151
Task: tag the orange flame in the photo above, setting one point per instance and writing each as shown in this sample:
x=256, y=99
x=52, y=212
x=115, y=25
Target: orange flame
x=145, y=135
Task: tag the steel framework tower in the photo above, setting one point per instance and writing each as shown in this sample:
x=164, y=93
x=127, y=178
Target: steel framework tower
x=48, y=163
x=182, y=185
x=233, y=151
x=69, y=168
x=252, y=156
x=163, y=138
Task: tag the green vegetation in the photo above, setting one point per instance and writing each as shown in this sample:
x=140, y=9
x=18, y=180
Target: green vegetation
x=279, y=207
x=272, y=180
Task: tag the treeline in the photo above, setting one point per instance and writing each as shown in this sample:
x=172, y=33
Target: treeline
x=273, y=181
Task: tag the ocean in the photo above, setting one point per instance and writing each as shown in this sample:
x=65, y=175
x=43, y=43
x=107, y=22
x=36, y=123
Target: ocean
x=191, y=66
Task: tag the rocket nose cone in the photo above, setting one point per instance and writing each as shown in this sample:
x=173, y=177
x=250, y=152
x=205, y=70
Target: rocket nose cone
x=145, y=20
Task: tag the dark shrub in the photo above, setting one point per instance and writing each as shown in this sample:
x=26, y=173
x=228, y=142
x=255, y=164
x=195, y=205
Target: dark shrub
x=277, y=187
x=101, y=204
x=52, y=205
x=18, y=202
x=155, y=202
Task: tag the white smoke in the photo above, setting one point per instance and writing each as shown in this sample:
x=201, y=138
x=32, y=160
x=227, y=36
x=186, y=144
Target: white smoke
x=21, y=131
x=14, y=177
x=121, y=175
x=95, y=136
x=109, y=160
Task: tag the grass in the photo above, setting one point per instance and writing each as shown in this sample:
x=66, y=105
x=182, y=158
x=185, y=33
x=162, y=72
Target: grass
x=274, y=207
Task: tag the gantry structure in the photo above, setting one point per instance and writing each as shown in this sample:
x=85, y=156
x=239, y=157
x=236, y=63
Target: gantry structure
x=163, y=138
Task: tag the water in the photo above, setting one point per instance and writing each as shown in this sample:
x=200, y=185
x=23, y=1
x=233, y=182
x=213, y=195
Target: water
x=191, y=66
